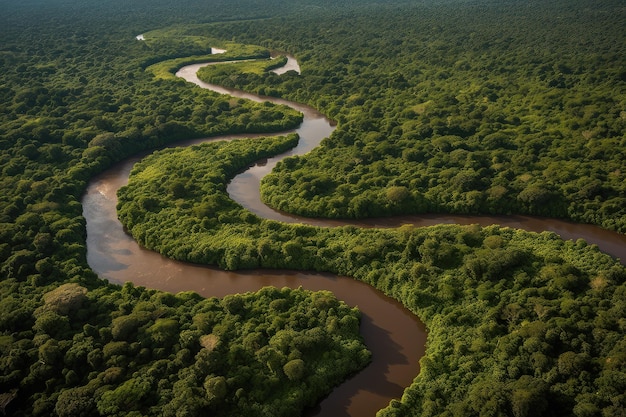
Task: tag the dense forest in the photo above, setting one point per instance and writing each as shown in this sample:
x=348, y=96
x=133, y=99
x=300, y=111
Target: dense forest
x=449, y=106
x=499, y=110
x=519, y=323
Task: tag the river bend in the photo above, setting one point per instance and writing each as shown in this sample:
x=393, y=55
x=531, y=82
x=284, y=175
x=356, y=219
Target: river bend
x=394, y=335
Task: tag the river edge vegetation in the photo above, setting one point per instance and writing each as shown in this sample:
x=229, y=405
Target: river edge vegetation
x=519, y=323
x=504, y=109
x=67, y=78
x=72, y=344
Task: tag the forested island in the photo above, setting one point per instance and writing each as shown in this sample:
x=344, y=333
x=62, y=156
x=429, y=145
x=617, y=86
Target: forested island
x=453, y=106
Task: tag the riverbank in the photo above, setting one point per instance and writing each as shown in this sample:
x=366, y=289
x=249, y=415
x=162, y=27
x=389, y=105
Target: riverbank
x=393, y=334
x=305, y=143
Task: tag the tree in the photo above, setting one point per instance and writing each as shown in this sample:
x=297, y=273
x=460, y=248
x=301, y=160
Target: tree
x=294, y=369
x=397, y=194
x=52, y=323
x=76, y=402
x=67, y=297
x=126, y=397
x=216, y=389
x=529, y=397
x=164, y=332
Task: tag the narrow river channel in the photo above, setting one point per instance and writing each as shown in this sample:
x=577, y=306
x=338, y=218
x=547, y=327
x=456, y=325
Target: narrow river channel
x=394, y=335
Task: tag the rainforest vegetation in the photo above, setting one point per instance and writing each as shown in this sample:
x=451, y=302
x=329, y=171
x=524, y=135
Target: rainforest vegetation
x=519, y=323
x=498, y=110
x=455, y=106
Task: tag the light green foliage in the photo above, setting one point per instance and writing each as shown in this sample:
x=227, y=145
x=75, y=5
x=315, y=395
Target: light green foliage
x=229, y=74
x=205, y=169
x=124, y=398
x=234, y=52
x=294, y=369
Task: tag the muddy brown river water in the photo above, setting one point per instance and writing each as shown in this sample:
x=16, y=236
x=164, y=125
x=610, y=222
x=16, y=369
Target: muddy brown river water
x=394, y=335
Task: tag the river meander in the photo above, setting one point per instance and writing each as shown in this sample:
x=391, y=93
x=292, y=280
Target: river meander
x=394, y=335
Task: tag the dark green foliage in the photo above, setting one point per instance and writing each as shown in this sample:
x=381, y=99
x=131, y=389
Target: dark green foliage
x=155, y=354
x=519, y=323
x=497, y=109
x=456, y=106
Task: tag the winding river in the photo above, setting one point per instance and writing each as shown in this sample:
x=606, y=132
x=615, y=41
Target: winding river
x=394, y=335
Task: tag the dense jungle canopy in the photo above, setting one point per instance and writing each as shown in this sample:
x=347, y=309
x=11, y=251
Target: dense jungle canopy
x=441, y=106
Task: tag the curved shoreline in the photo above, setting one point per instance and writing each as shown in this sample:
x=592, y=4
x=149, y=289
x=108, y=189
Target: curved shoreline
x=109, y=255
x=393, y=334
x=245, y=190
